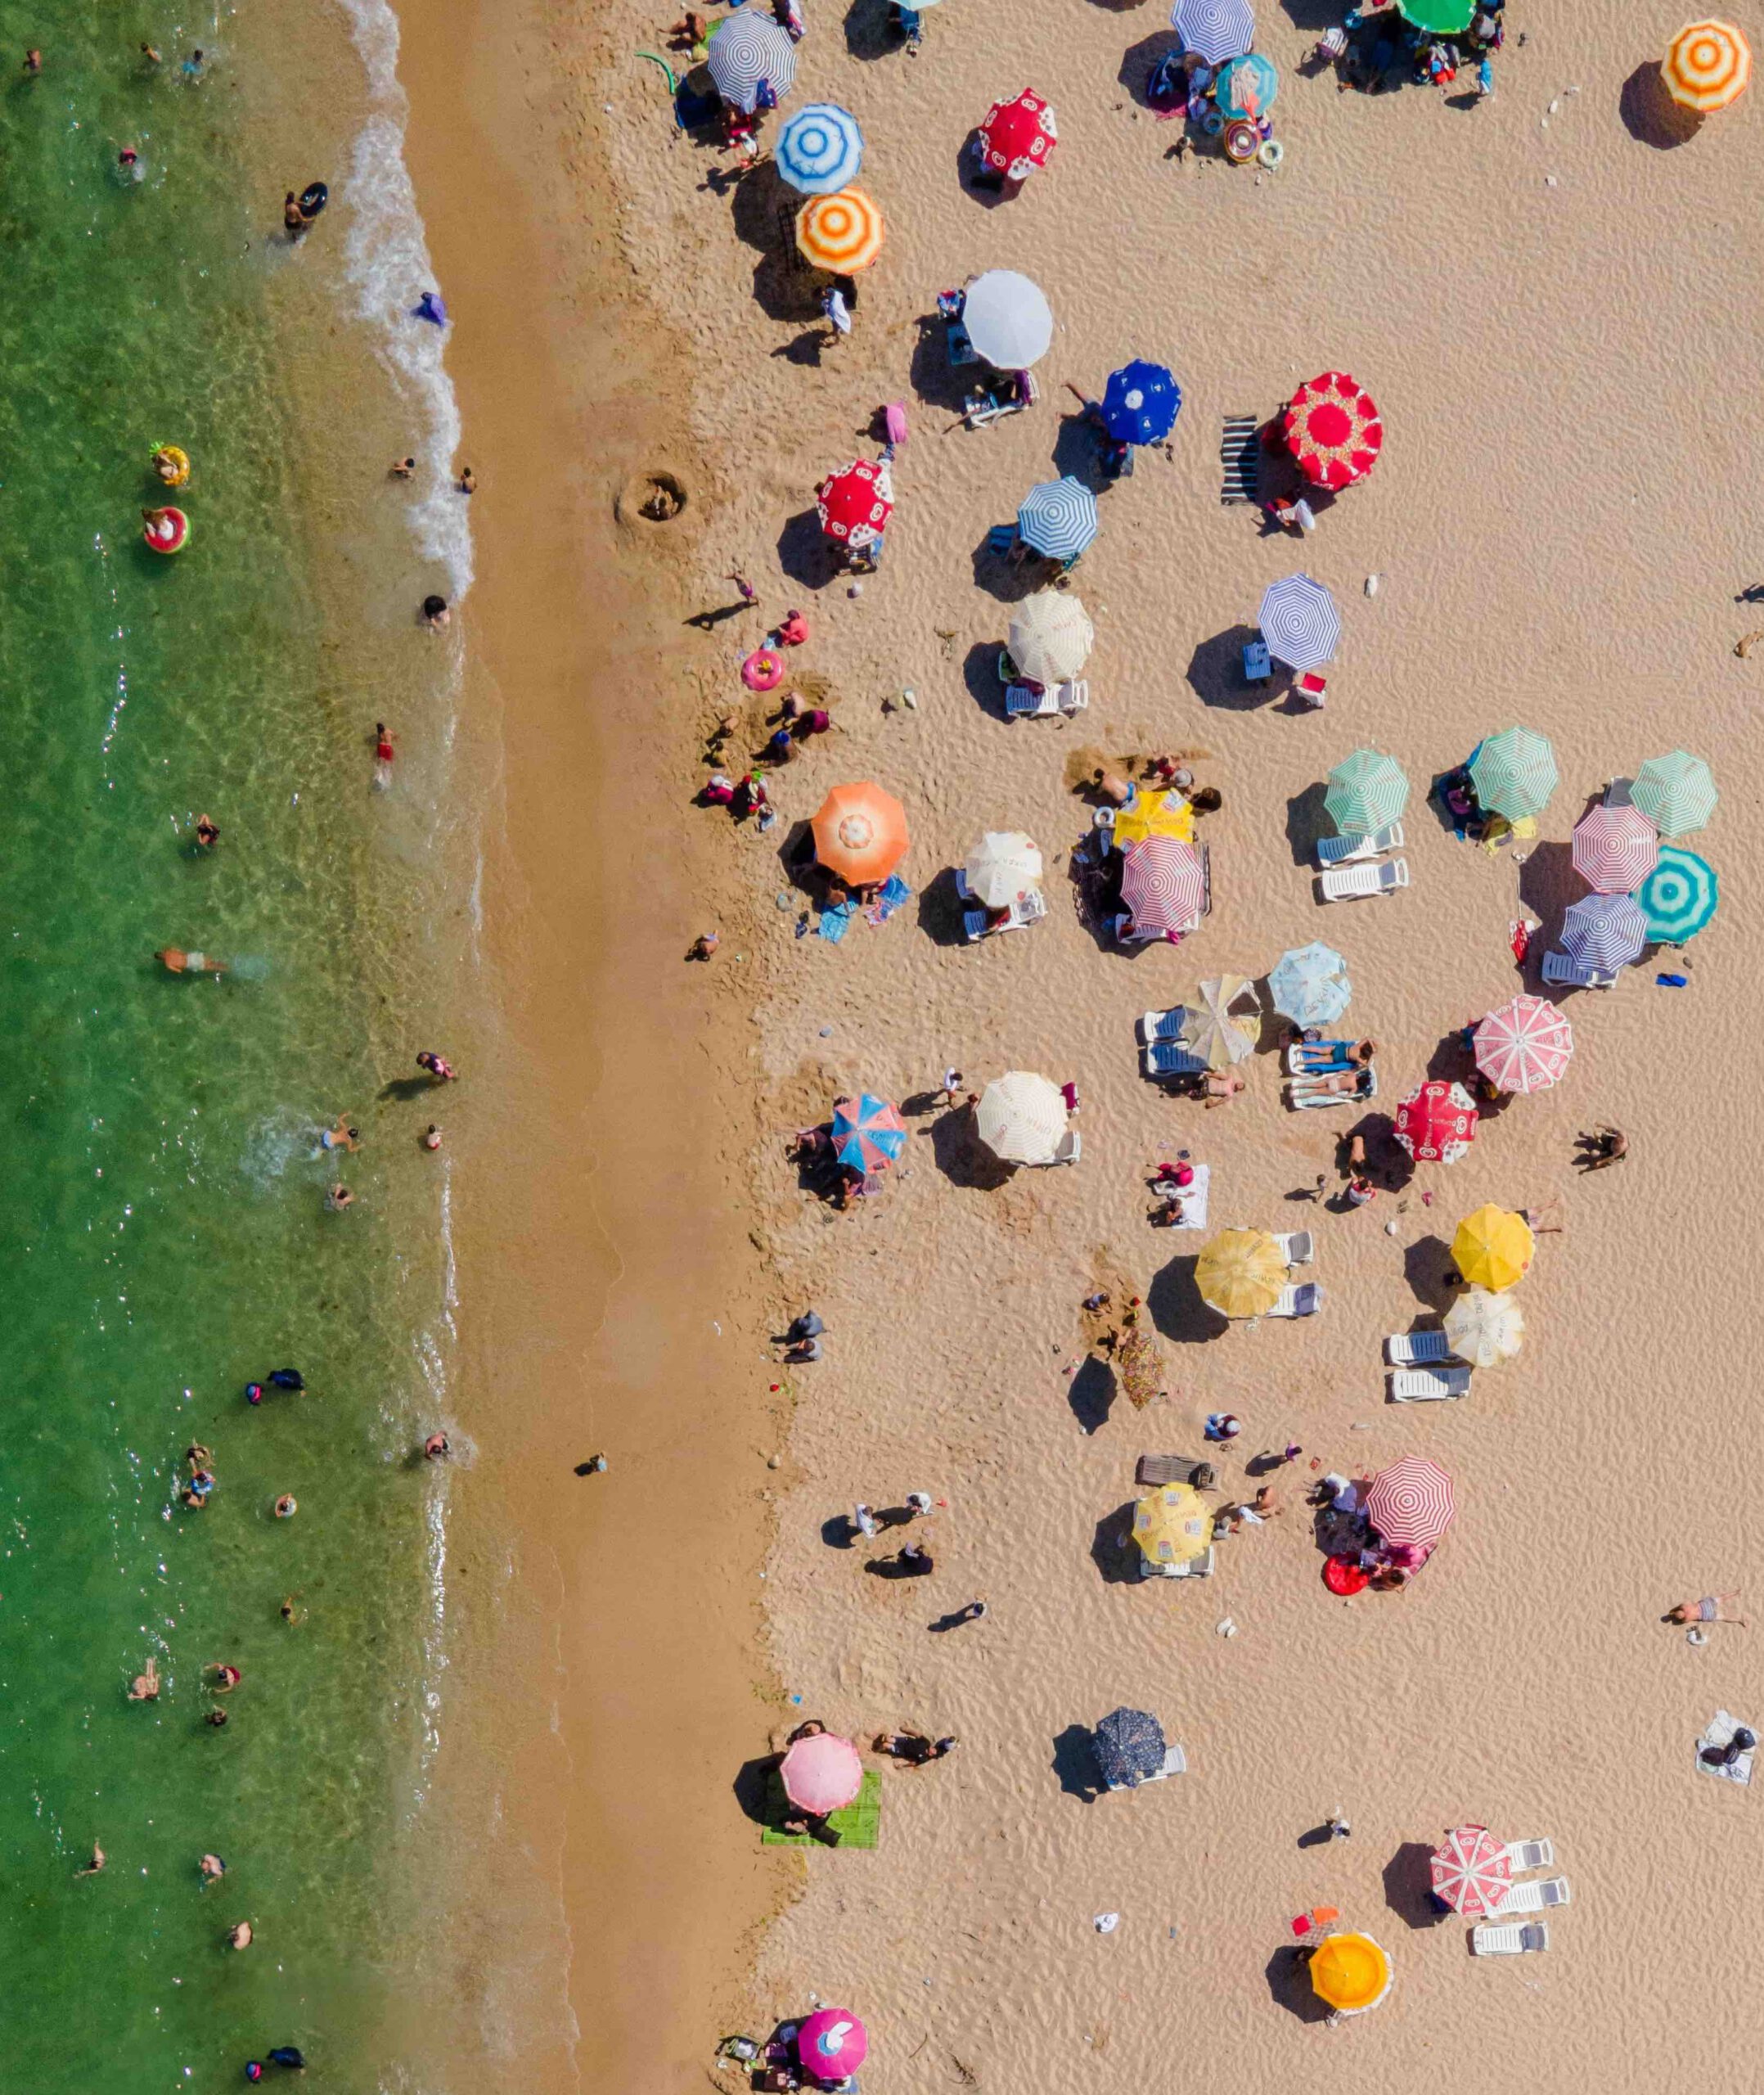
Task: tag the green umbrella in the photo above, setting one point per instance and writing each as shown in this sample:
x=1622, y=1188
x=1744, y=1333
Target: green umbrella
x=1675, y=793
x=1514, y=774
x=1678, y=898
x=1439, y=17
x=1365, y=791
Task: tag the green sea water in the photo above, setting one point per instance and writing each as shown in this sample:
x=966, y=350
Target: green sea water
x=164, y=1236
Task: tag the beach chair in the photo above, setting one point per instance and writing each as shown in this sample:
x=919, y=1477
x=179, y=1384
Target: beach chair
x=1152, y=1470
x=975, y=924
x=1347, y=884
x=1530, y=1854
x=1297, y=1248
x=1310, y=689
x=1239, y=459
x=1423, y=1385
x=1259, y=664
x=1303, y=1301
x=1028, y=908
x=1163, y=1025
x=1416, y=1348
x=1170, y=1058
x=1206, y=880
x=1069, y=1148
x=1303, y=1100
x=1487, y=1941
x=1317, y=1058
x=1344, y=850
x=1542, y=1895
x=1558, y=968
x=1073, y=695
x=1175, y=1763
x=1024, y=702
x=1001, y=539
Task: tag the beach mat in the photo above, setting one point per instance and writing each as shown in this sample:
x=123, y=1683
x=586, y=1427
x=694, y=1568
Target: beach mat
x=857, y=1825
x=1240, y=459
x=1720, y=1732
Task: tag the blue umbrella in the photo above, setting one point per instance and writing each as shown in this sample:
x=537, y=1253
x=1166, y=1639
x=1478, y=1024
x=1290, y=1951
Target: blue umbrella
x=1130, y=1748
x=821, y=150
x=1679, y=897
x=1310, y=985
x=867, y=1135
x=1140, y=403
x=1058, y=518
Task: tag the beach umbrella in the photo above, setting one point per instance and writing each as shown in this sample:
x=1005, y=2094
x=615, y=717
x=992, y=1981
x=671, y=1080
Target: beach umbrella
x=1018, y=137
x=1436, y=1122
x=820, y=150
x=1154, y=814
x=1679, y=897
x=1140, y=403
x=1410, y=1503
x=1706, y=66
x=1332, y=429
x=1172, y=1525
x=1299, y=622
x=1003, y=867
x=822, y=1772
x=832, y=2043
x=1350, y=1972
x=860, y=833
x=1050, y=637
x=1492, y=1248
x=1525, y=1046
x=1470, y=1871
x=1008, y=319
x=1163, y=886
x=1022, y=1118
x=855, y=503
x=1130, y=1746
x=1310, y=985
x=841, y=233
x=1615, y=849
x=1605, y=932
x=1057, y=518
x=746, y=48
x=1366, y=792
x=1485, y=1329
x=1241, y=1273
x=1513, y=772
x=1214, y=31
x=1675, y=793
x=1210, y=1029
x=867, y=1133
x=1247, y=87
x=1439, y=17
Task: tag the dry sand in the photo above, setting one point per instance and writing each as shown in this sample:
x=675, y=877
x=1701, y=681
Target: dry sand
x=1558, y=319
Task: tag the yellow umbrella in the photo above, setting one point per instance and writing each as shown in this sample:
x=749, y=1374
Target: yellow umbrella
x=1241, y=1273
x=1493, y=1248
x=1351, y=1972
x=1708, y=66
x=1172, y=1525
x=1155, y=814
x=1211, y=1030
x=841, y=233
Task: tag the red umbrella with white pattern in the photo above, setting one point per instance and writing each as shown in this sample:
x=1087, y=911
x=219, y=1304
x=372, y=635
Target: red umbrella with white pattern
x=855, y=503
x=1436, y=1122
x=1471, y=1871
x=1018, y=137
x=1525, y=1046
x=1334, y=430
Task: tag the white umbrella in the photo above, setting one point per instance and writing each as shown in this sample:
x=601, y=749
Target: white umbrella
x=745, y=49
x=1008, y=319
x=1051, y=636
x=1023, y=1118
x=1002, y=868
x=1300, y=623
x=1485, y=1329
x=1211, y=1029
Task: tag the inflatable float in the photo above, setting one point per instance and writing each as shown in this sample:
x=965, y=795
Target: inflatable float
x=314, y=199
x=171, y=464
x=165, y=531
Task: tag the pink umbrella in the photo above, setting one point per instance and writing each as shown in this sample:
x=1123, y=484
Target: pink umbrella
x=1163, y=886
x=1615, y=848
x=822, y=1772
x=832, y=2043
x=1471, y=1870
x=1525, y=1046
x=1410, y=1503
x=1436, y=1121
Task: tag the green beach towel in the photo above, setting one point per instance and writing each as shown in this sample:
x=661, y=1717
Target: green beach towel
x=857, y=1825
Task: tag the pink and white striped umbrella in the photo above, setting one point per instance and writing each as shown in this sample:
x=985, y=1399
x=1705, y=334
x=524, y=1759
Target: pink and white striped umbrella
x=1615, y=848
x=1410, y=1503
x=1162, y=885
x=1470, y=1871
x=1525, y=1046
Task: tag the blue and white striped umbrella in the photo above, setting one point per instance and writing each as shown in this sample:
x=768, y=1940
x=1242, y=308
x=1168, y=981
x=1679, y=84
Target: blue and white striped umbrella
x=821, y=149
x=1299, y=622
x=1215, y=29
x=1605, y=931
x=1058, y=518
x=746, y=48
x=1141, y=402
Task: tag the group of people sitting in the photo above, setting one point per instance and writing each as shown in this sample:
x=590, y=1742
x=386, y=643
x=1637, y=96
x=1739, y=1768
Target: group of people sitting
x=1374, y=41
x=1351, y=1540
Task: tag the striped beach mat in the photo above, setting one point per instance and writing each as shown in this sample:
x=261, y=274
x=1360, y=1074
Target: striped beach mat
x=1240, y=459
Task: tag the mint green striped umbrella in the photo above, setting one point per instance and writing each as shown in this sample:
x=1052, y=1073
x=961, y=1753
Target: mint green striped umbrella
x=1515, y=773
x=1675, y=793
x=1365, y=791
x=1679, y=897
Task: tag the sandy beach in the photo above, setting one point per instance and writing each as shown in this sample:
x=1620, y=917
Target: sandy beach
x=1553, y=313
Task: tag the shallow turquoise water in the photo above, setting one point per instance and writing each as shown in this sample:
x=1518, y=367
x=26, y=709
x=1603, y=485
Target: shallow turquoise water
x=163, y=1235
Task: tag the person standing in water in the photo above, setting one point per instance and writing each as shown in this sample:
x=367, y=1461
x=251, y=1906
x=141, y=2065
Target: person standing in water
x=96, y=1863
x=385, y=755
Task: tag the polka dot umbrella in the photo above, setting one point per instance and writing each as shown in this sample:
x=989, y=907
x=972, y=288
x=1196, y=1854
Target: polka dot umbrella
x=1333, y=429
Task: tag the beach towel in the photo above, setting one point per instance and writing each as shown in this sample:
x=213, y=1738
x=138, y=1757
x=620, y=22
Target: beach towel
x=1194, y=1196
x=894, y=420
x=894, y=892
x=835, y=923
x=858, y=1825
x=1720, y=1732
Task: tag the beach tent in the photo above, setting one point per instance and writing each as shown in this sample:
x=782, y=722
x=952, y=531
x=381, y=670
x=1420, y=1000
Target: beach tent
x=860, y=833
x=1050, y=637
x=1310, y=985
x=1299, y=622
x=1350, y=1972
x=1164, y=888
x=840, y=234
x=1003, y=867
x=1707, y=66
x=1493, y=1248
x=1525, y=1046
x=1436, y=1122
x=1410, y=1503
x=1140, y=403
x=1513, y=774
x=1676, y=793
x=1605, y=932
x=1166, y=814
x=1485, y=1329
x=822, y=1774
x=1130, y=1748
x=855, y=503
x=1214, y=31
x=1470, y=1871
x=1018, y=137
x=1008, y=319
x=1365, y=791
x=1022, y=1118
x=1333, y=429
x=820, y=150
x=1057, y=518
x=1615, y=849
x=745, y=49
x=1241, y=1273
x=1210, y=1028
x=1172, y=1526
x=1679, y=897
x=867, y=1133
x=832, y=2043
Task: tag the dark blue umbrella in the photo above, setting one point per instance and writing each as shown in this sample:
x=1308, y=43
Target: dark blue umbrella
x=1130, y=1748
x=1139, y=403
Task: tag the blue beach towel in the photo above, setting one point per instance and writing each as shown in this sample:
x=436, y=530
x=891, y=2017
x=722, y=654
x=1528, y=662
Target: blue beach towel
x=835, y=923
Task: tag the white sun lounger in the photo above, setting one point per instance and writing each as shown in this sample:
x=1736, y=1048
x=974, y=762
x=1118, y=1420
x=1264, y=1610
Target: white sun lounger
x=1541, y=1895
x=1345, y=850
x=1347, y=882
x=1022, y=704
x=1416, y=1386
x=1558, y=967
x=1197, y=1567
x=1416, y=1348
x=1302, y=1097
x=1069, y=1148
x=1296, y=1249
x=1530, y=1854
x=1487, y=1941
x=1304, y=1299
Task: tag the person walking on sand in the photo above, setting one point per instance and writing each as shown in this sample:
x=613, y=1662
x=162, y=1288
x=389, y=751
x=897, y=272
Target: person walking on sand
x=1710, y=1608
x=750, y=594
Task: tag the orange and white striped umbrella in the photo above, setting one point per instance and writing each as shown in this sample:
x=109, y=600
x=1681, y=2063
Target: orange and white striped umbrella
x=1708, y=66
x=841, y=233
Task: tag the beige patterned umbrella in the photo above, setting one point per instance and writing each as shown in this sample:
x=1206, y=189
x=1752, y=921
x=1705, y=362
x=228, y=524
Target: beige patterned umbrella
x=1051, y=636
x=1022, y=1118
x=1211, y=1031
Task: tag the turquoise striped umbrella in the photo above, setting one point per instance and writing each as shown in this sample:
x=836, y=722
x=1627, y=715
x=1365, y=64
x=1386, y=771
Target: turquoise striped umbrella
x=1679, y=897
x=1365, y=791
x=1675, y=793
x=1515, y=773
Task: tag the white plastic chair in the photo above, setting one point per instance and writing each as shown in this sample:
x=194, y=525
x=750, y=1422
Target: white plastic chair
x=1344, y=850
x=1070, y=1147
x=1530, y=1854
x=1487, y=1941
x=1416, y=1348
x=1304, y=1299
x=1347, y=883
x=1416, y=1385
x=1542, y=1894
x=1073, y=695
x=1298, y=1248
x=1558, y=968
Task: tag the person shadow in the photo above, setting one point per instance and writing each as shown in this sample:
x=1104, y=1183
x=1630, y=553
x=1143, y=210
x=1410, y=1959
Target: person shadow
x=402, y=1090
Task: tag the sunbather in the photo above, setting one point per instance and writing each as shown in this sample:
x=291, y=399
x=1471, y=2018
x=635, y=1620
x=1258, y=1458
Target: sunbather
x=1220, y=1087
x=1708, y=1609
x=1348, y=1083
x=913, y=1749
x=1603, y=1145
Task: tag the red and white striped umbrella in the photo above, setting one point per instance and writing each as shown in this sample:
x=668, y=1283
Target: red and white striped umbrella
x=1436, y=1122
x=1471, y=1871
x=1525, y=1046
x=1615, y=848
x=1410, y=1503
x=1162, y=885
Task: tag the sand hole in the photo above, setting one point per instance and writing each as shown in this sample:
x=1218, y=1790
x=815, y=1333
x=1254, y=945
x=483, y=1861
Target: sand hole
x=652, y=498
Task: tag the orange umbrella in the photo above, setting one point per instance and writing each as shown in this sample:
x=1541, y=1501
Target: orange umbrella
x=841, y=233
x=861, y=833
x=1708, y=66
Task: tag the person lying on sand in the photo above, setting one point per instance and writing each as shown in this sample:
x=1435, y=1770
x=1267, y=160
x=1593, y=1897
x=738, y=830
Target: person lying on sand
x=912, y=1749
x=1603, y=1145
x=1709, y=1609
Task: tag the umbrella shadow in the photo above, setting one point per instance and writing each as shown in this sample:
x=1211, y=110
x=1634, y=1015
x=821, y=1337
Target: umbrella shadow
x=1139, y=60
x=975, y=181
x=1287, y=1973
x=1074, y=1764
x=1432, y=1277
x=1409, y=1886
x=1215, y=672
x=933, y=377
x=1008, y=580
x=979, y=673
x=763, y=211
x=784, y=289
x=755, y=1789
x=869, y=32
x=940, y=910
x=1077, y=455
x=1112, y=1549
x=1091, y=1393
x=1650, y=116
x=796, y=858
x=962, y=1157
x=1548, y=882
x=803, y=550
x=1307, y=818
x=1177, y=1308
x=1453, y=1060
